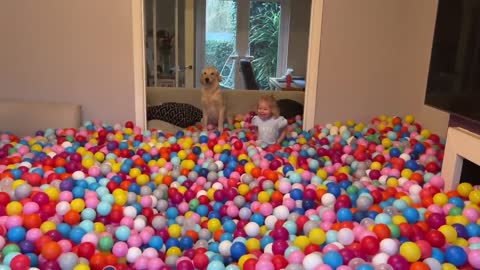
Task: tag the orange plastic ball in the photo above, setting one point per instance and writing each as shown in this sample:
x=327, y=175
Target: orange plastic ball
x=382, y=231
x=72, y=217
x=51, y=250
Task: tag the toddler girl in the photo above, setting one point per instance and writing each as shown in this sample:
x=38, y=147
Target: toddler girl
x=270, y=125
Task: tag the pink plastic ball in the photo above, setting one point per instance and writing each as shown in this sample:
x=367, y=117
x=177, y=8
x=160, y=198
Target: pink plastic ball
x=264, y=265
x=296, y=256
x=120, y=249
x=474, y=258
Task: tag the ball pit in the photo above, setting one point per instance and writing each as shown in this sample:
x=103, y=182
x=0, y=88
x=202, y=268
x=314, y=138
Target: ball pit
x=340, y=196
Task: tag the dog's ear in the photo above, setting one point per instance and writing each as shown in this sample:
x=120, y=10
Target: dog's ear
x=219, y=77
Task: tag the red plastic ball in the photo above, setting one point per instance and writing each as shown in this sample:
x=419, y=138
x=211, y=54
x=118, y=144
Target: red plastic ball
x=20, y=262
x=370, y=245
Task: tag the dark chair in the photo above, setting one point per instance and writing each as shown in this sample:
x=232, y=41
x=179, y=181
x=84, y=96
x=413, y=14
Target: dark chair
x=248, y=75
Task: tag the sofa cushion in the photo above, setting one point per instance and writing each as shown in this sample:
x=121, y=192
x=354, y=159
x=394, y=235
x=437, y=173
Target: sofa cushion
x=290, y=108
x=179, y=114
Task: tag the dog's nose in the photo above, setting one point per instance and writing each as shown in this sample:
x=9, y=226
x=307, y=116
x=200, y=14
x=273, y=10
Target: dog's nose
x=207, y=80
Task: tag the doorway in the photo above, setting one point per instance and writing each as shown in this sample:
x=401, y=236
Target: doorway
x=169, y=43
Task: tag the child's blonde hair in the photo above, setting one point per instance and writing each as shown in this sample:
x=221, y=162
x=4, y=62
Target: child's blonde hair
x=272, y=103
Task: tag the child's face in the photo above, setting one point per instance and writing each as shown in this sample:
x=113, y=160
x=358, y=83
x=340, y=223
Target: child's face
x=264, y=110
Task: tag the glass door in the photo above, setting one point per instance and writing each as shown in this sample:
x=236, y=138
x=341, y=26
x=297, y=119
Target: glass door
x=169, y=38
x=237, y=30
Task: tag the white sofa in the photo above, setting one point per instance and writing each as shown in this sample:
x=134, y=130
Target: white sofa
x=24, y=118
x=238, y=101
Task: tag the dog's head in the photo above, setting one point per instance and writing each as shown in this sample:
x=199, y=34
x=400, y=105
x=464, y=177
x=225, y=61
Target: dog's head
x=210, y=76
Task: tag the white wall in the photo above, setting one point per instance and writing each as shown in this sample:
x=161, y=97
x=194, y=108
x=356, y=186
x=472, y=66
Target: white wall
x=70, y=51
x=298, y=40
x=374, y=58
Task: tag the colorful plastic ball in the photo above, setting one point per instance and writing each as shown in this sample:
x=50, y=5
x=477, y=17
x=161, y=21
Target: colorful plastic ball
x=456, y=255
x=410, y=251
x=20, y=262
x=333, y=259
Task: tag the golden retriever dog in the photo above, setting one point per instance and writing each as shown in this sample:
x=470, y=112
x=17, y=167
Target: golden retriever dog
x=213, y=104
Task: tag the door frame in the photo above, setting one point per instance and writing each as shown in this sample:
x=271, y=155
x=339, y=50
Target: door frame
x=312, y=76
x=139, y=65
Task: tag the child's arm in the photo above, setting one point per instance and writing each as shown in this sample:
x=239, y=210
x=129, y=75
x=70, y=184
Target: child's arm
x=281, y=137
x=282, y=126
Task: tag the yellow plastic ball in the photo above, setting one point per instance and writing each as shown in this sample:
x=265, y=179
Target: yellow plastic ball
x=464, y=189
x=252, y=244
x=243, y=259
x=158, y=179
x=134, y=172
x=48, y=226
x=77, y=205
x=292, y=160
x=409, y=119
x=301, y=242
x=407, y=173
x=53, y=193
x=81, y=267
x=161, y=162
x=317, y=236
x=143, y=179
x=249, y=166
x=17, y=183
x=217, y=149
x=410, y=251
x=386, y=142
x=182, y=154
x=99, y=227
x=243, y=189
x=36, y=148
x=440, y=199
x=474, y=196
x=426, y=133
x=392, y=182
x=88, y=163
x=376, y=165
x=120, y=199
x=214, y=225
x=175, y=230
x=14, y=208
x=449, y=232
x=175, y=251
x=322, y=174
x=397, y=220
x=188, y=164
x=263, y=197
x=99, y=156
x=116, y=167
x=461, y=242
x=448, y=266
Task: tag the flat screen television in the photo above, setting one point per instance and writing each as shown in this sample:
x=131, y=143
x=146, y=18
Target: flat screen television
x=454, y=75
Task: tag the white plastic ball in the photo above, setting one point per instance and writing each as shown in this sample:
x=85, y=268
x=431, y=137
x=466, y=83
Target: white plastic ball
x=402, y=181
x=224, y=248
x=217, y=185
x=312, y=260
x=268, y=248
x=345, y=236
x=433, y=264
x=270, y=222
x=380, y=258
x=389, y=246
x=133, y=254
x=252, y=229
x=139, y=224
x=405, y=157
x=281, y=212
x=328, y=199
x=130, y=211
x=78, y=175
x=62, y=208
